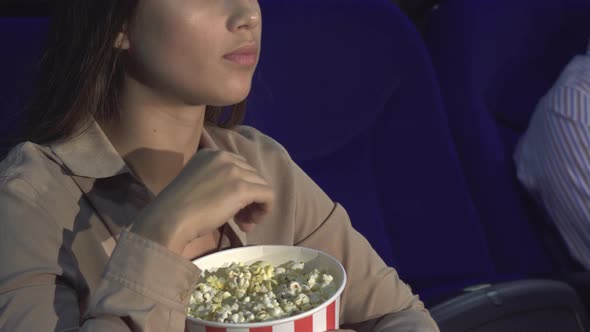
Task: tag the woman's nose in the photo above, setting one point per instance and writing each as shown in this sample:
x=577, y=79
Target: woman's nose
x=245, y=15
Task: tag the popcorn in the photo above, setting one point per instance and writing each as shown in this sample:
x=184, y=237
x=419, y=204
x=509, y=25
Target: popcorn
x=258, y=292
x=301, y=299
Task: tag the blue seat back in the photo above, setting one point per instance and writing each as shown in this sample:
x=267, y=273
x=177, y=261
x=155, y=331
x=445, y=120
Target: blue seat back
x=347, y=86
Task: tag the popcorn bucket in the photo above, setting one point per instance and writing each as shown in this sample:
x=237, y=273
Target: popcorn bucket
x=322, y=318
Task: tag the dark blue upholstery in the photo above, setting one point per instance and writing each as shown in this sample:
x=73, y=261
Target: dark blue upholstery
x=347, y=86
x=495, y=60
x=23, y=40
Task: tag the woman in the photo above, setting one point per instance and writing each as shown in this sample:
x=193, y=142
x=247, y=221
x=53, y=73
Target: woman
x=128, y=173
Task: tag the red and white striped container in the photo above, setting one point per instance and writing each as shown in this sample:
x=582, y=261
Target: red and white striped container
x=322, y=318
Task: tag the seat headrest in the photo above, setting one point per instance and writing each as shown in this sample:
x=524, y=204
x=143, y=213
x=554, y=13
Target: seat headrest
x=327, y=69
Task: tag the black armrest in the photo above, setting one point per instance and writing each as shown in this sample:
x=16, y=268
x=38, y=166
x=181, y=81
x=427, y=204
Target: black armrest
x=525, y=305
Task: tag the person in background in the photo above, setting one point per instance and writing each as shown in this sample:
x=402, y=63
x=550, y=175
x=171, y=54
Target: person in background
x=553, y=162
x=130, y=170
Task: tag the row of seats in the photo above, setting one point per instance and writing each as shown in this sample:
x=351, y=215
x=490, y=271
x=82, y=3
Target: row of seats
x=412, y=135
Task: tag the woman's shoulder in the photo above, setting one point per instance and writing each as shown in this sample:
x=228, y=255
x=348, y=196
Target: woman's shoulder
x=248, y=142
x=29, y=163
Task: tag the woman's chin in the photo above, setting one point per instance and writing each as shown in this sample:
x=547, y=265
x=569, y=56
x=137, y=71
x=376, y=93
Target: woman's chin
x=222, y=96
x=226, y=102
x=230, y=98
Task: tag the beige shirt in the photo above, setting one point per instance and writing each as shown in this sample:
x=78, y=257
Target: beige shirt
x=69, y=263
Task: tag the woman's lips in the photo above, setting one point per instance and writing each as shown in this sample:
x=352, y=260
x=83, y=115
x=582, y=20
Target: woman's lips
x=244, y=59
x=245, y=56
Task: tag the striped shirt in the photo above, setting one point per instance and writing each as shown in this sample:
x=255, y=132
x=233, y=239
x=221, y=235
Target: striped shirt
x=553, y=156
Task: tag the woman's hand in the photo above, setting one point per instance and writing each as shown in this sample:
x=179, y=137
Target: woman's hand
x=213, y=187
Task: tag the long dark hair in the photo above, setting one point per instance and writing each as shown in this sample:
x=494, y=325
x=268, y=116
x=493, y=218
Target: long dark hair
x=81, y=73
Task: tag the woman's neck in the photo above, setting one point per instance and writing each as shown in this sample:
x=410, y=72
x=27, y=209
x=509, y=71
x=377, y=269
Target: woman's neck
x=155, y=137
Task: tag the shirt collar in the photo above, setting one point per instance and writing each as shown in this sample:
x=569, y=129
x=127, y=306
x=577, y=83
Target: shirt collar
x=92, y=155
